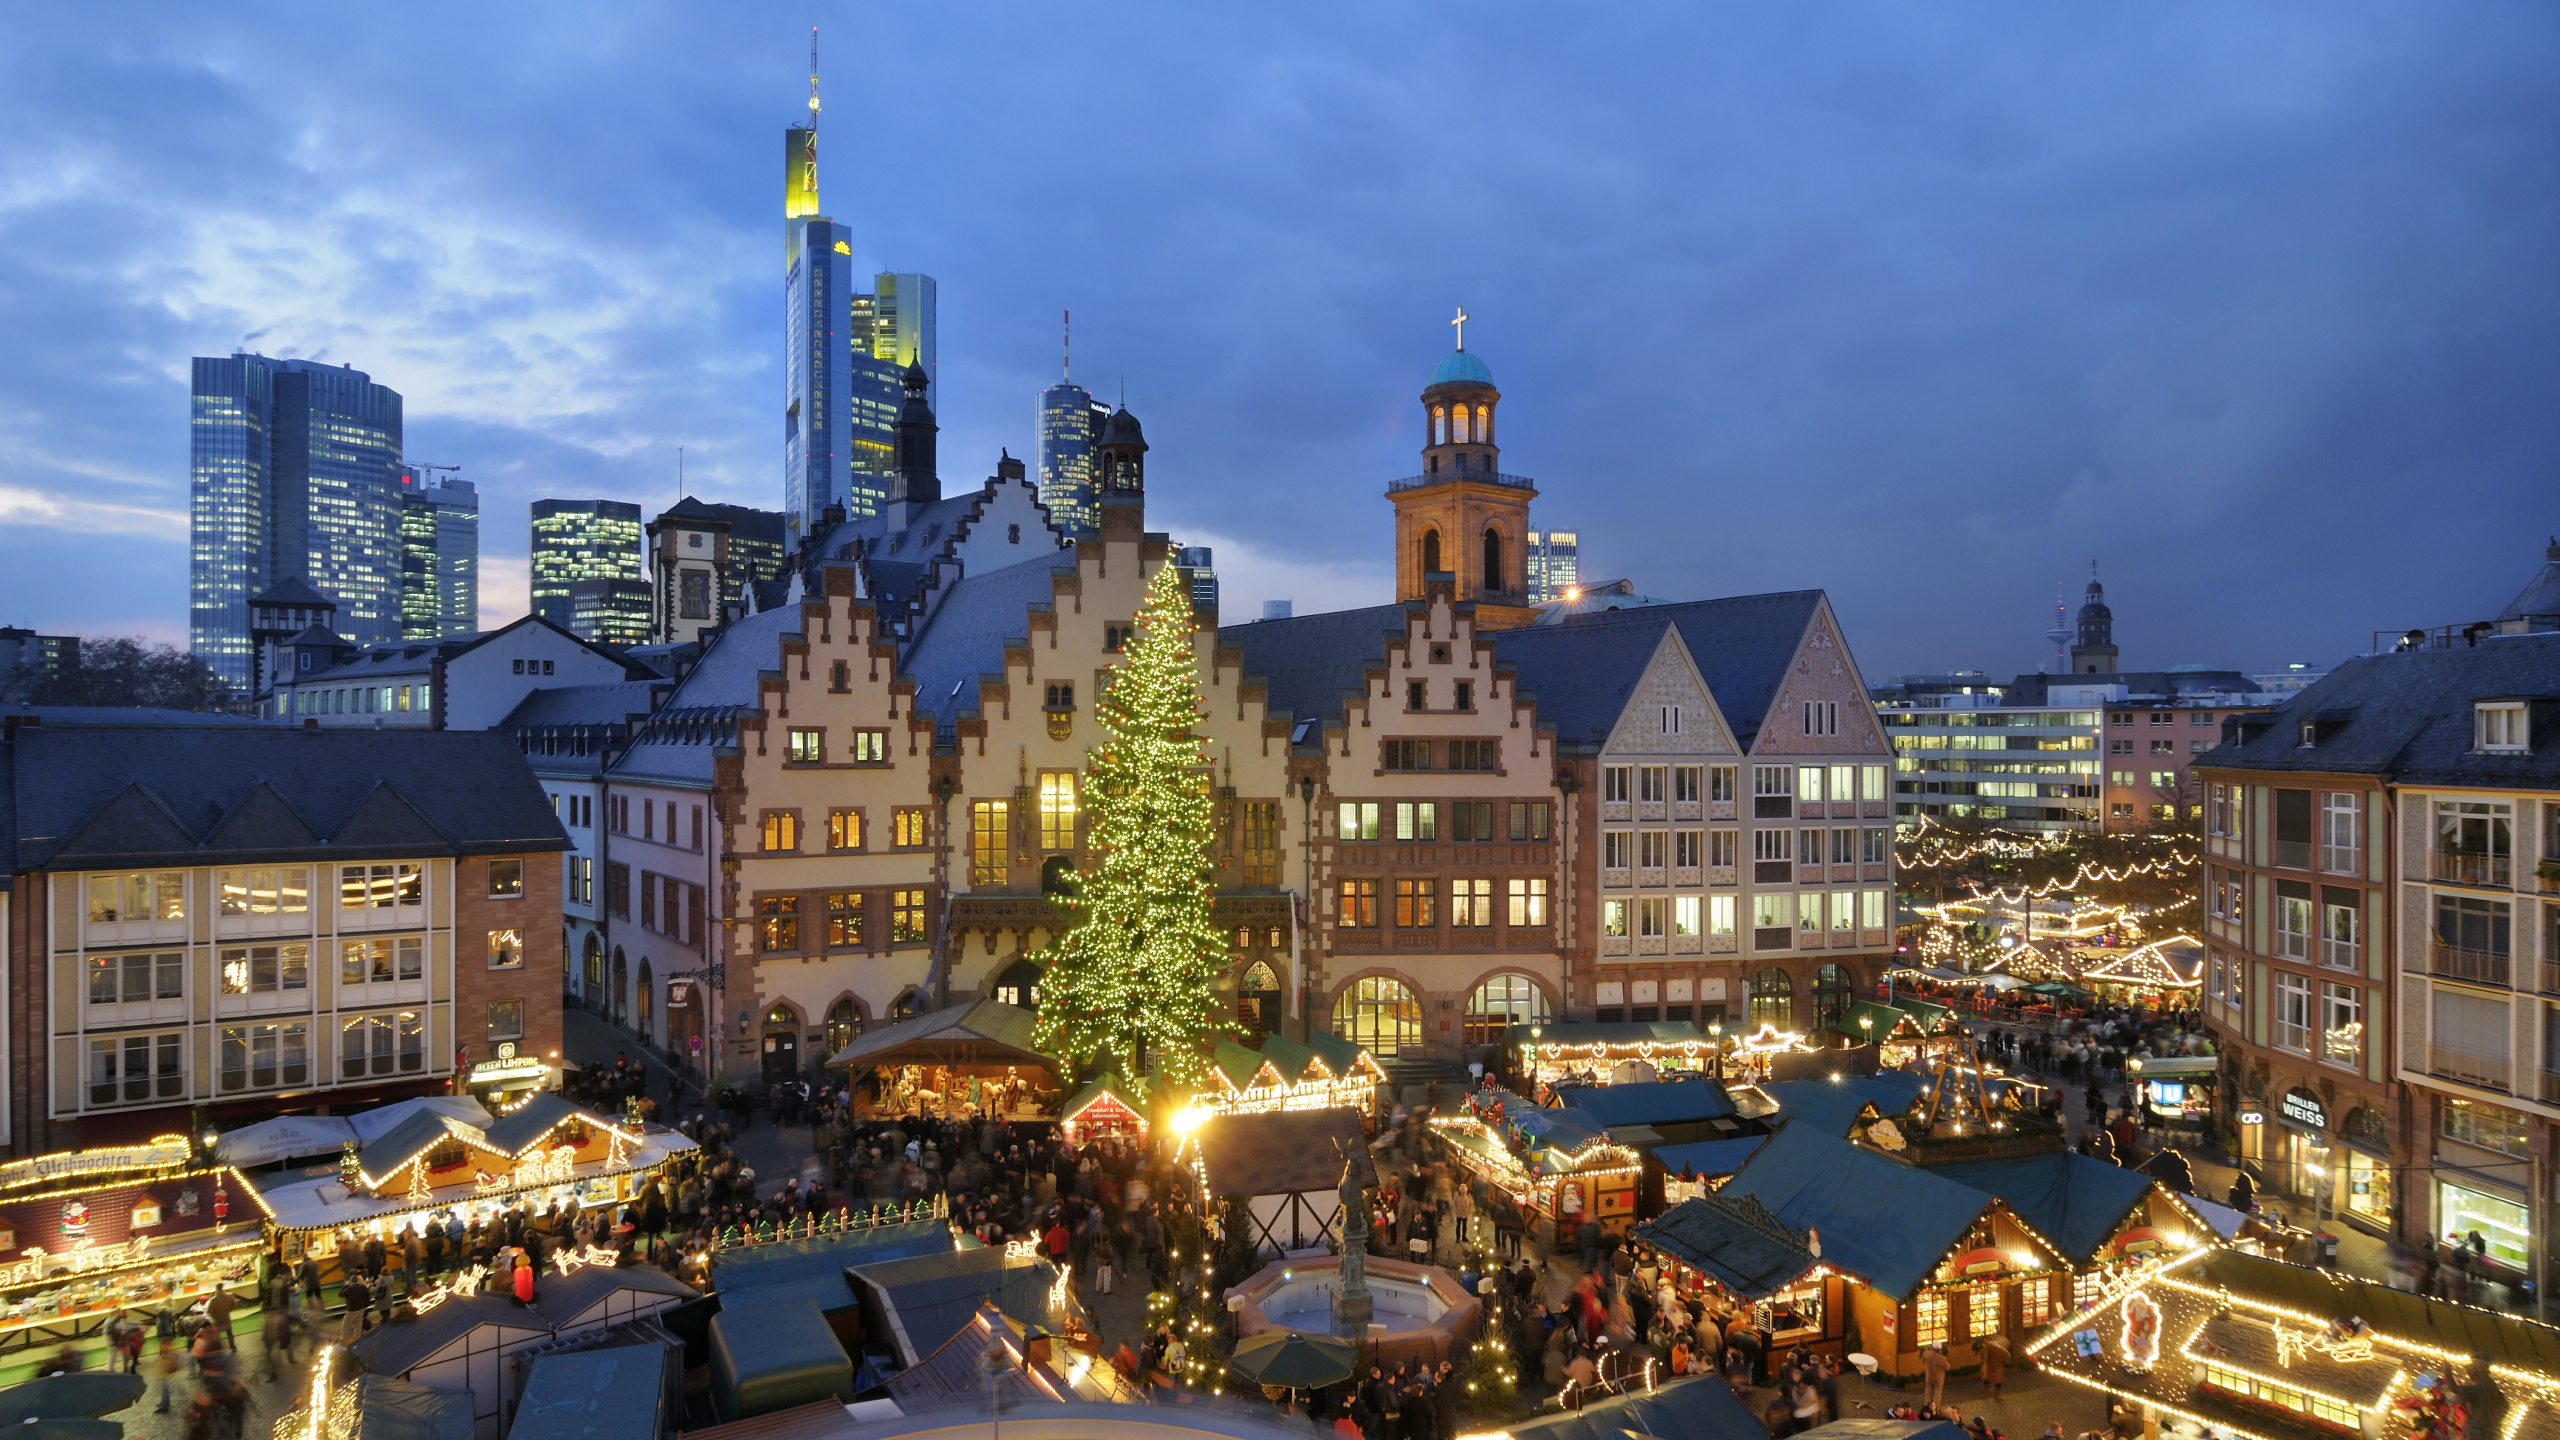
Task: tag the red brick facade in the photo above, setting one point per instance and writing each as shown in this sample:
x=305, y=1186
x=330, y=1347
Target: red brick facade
x=533, y=982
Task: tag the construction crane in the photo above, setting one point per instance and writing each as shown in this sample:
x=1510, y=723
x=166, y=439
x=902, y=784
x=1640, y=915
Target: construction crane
x=427, y=472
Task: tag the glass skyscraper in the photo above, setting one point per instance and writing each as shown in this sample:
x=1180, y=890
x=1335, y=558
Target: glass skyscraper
x=1555, y=564
x=575, y=540
x=439, y=557
x=1069, y=415
x=817, y=450
x=291, y=475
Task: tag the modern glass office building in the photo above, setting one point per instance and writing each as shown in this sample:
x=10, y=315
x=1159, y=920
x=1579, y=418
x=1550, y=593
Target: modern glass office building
x=817, y=449
x=1555, y=563
x=439, y=557
x=1069, y=416
x=292, y=475
x=576, y=540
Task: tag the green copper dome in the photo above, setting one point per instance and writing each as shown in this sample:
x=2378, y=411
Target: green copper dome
x=1461, y=368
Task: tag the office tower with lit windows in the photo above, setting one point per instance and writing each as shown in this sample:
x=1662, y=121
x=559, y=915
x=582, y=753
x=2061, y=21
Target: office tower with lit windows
x=1555, y=564
x=1069, y=419
x=439, y=556
x=589, y=540
x=817, y=446
x=291, y=477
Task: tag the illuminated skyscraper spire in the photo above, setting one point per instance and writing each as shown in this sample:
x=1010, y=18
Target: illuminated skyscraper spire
x=800, y=165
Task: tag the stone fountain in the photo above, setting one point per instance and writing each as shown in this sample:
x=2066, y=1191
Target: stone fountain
x=1393, y=1309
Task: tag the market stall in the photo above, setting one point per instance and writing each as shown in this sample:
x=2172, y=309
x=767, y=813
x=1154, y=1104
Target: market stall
x=1589, y=1053
x=2216, y=1343
x=2162, y=974
x=545, y=1153
x=978, y=1058
x=2179, y=1087
x=1281, y=1169
x=1556, y=1165
x=1329, y=1073
x=150, y=1227
x=1106, y=1107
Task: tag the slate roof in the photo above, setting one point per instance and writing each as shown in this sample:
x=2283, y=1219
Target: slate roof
x=2075, y=1201
x=1886, y=1223
x=1278, y=1151
x=401, y=657
x=956, y=1373
x=101, y=796
x=1657, y=1103
x=677, y=743
x=423, y=1131
x=1748, y=1250
x=932, y=1297
x=2408, y=717
x=2539, y=600
x=964, y=638
x=1581, y=676
x=132, y=715
x=581, y=705
x=1741, y=645
x=1309, y=661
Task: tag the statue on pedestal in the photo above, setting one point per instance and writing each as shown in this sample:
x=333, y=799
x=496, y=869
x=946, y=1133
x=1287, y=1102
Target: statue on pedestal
x=1352, y=1305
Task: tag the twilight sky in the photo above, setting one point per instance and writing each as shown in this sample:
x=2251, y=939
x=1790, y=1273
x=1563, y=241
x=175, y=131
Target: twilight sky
x=1923, y=304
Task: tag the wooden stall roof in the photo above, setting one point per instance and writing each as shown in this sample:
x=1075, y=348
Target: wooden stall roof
x=980, y=1032
x=1734, y=1240
x=1275, y=1152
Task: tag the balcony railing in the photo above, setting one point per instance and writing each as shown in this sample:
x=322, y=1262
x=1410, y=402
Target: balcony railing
x=1452, y=477
x=2455, y=962
x=2465, y=867
x=2485, y=1070
x=2293, y=854
x=2342, y=859
x=2340, y=955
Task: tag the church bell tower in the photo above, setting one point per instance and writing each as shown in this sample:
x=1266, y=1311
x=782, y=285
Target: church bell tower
x=1462, y=518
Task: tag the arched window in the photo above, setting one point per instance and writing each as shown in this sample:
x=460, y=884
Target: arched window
x=1430, y=551
x=1019, y=985
x=910, y=1002
x=1439, y=426
x=1773, y=999
x=1503, y=1001
x=1483, y=414
x=1493, y=560
x=1258, y=1000
x=621, y=983
x=648, y=1001
x=1458, y=424
x=1379, y=1015
x=1832, y=993
x=595, y=969
x=844, y=1022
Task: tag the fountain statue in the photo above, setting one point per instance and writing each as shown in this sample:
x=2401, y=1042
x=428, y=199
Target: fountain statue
x=1352, y=1306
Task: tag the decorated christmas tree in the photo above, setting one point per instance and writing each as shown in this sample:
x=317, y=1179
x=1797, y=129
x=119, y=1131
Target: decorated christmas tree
x=1133, y=977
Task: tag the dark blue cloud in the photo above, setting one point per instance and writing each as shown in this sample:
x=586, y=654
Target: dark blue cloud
x=1923, y=304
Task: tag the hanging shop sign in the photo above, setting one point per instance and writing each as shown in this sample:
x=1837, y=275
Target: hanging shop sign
x=679, y=995
x=507, y=1066
x=2253, y=1116
x=2301, y=1107
x=1985, y=1261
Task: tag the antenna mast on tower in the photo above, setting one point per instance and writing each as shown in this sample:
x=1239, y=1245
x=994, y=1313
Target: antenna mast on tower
x=813, y=80
x=2060, y=634
x=1066, y=345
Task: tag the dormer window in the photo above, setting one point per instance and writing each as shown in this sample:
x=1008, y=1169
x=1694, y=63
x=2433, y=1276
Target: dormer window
x=2499, y=726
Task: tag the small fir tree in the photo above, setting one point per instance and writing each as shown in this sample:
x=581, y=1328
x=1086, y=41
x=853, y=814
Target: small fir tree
x=1132, y=979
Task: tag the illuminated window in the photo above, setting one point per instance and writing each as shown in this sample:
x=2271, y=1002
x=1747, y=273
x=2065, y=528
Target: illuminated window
x=136, y=979
x=1261, y=858
x=368, y=1045
x=2035, y=1300
x=1613, y=919
x=844, y=829
x=1528, y=902
x=990, y=835
x=870, y=747
x=263, y=892
x=1379, y=1015
x=506, y=879
x=379, y=887
x=1773, y=1002
x=127, y=1068
x=1932, y=1320
x=844, y=918
x=1503, y=1001
x=374, y=962
x=1058, y=811
x=1470, y=903
x=781, y=830
x=264, y=969
x=778, y=923
x=808, y=746
x=1359, y=905
x=1982, y=1309
x=1358, y=820
x=906, y=916
x=1417, y=903
x=506, y=949
x=1684, y=916
x=114, y=899
x=906, y=827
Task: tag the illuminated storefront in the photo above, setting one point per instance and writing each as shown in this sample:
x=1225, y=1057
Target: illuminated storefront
x=2469, y=1207
x=88, y=1233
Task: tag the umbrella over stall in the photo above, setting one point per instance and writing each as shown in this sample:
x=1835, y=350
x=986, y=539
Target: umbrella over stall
x=1294, y=1358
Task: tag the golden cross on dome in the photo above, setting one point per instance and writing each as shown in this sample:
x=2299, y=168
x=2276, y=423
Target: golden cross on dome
x=1461, y=324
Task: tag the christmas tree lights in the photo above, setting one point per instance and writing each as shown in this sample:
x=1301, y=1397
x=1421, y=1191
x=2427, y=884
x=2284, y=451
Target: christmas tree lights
x=1134, y=977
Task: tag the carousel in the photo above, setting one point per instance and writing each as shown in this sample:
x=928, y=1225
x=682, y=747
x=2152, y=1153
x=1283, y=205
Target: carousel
x=973, y=1059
